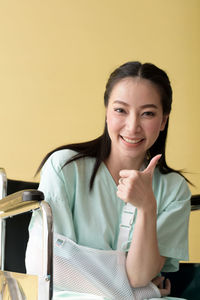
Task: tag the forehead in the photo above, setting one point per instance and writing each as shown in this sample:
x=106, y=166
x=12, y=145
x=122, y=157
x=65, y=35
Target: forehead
x=135, y=88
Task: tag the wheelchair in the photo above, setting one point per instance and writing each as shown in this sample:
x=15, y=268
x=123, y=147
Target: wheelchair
x=15, y=214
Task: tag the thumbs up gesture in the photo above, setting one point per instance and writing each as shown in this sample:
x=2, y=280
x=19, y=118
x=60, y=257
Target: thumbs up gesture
x=135, y=186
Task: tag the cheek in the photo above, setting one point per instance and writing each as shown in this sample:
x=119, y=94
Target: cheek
x=154, y=128
x=113, y=123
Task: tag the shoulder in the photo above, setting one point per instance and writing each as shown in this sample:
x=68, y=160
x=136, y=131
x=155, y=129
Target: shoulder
x=57, y=163
x=171, y=180
x=60, y=177
x=170, y=187
x=53, y=180
x=59, y=158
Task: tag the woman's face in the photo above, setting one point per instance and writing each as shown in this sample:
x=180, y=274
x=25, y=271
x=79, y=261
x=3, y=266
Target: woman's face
x=134, y=117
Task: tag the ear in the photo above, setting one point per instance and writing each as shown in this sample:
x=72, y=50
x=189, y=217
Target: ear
x=164, y=121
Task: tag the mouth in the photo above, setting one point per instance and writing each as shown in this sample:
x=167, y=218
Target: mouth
x=132, y=141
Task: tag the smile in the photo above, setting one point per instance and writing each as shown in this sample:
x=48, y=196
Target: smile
x=132, y=141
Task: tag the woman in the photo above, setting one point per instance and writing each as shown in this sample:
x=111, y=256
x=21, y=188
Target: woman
x=118, y=193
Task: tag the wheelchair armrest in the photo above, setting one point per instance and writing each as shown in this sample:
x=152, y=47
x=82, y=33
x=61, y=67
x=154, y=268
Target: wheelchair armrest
x=20, y=202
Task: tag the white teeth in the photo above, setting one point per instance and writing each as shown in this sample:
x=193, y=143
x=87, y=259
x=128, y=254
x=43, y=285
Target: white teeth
x=132, y=141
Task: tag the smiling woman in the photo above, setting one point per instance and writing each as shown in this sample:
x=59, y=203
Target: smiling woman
x=116, y=203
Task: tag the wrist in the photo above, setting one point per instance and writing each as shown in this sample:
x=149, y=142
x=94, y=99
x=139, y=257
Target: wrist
x=150, y=207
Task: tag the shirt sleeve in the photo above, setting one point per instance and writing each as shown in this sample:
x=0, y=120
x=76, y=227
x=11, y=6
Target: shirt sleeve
x=58, y=185
x=58, y=192
x=173, y=221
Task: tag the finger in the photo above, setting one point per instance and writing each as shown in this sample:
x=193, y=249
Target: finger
x=125, y=173
x=158, y=280
x=120, y=188
x=121, y=181
x=151, y=166
x=167, y=289
x=168, y=285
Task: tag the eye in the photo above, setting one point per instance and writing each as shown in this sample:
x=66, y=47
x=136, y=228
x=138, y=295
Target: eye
x=119, y=110
x=148, y=114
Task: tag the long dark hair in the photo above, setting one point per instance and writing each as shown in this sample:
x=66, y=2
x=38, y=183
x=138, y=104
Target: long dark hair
x=100, y=147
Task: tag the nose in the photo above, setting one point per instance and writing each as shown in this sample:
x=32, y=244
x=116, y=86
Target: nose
x=133, y=124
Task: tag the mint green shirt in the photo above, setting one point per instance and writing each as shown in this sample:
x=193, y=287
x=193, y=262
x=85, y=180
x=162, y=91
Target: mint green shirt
x=92, y=218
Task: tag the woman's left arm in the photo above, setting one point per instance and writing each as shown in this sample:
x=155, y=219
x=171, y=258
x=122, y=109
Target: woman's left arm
x=144, y=261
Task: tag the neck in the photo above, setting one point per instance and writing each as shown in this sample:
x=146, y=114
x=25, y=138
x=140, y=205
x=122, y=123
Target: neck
x=115, y=164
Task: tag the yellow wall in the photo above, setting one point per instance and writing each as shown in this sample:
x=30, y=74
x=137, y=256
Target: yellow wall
x=194, y=236
x=55, y=58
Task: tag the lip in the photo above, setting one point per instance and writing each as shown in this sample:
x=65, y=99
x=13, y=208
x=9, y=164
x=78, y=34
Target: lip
x=132, y=141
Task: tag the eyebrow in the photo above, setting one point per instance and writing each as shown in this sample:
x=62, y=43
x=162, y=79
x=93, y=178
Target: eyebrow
x=142, y=106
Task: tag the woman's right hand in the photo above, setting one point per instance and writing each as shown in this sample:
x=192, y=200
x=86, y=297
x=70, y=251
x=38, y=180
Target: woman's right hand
x=164, y=289
x=135, y=186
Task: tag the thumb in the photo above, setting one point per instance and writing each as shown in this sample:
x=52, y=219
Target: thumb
x=151, y=166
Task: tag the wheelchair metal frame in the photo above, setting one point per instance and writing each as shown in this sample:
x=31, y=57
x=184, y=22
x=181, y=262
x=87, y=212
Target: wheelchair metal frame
x=19, y=203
